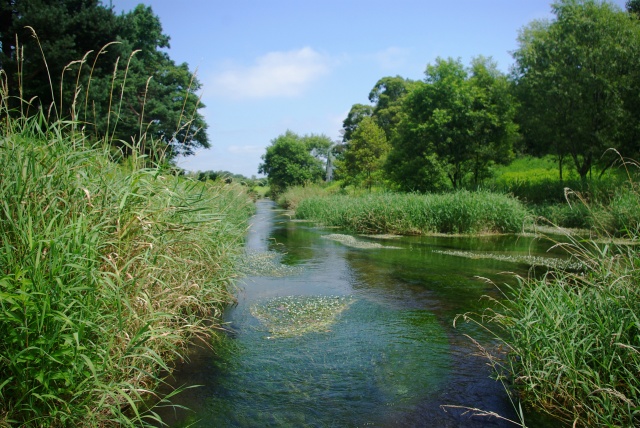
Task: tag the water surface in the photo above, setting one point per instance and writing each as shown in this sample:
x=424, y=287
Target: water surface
x=390, y=356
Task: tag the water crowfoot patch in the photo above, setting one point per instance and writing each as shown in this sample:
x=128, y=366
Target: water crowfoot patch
x=297, y=315
x=351, y=241
x=266, y=263
x=550, y=262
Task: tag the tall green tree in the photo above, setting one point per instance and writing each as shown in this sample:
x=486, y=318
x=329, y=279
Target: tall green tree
x=453, y=127
x=66, y=30
x=366, y=153
x=160, y=100
x=289, y=161
x=633, y=6
x=387, y=96
x=577, y=82
x=91, y=54
x=353, y=119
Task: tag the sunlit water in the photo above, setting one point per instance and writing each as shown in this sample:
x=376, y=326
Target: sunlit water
x=391, y=356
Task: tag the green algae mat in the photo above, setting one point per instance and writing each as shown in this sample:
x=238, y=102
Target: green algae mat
x=297, y=315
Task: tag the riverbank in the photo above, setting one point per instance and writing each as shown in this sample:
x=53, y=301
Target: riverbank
x=107, y=272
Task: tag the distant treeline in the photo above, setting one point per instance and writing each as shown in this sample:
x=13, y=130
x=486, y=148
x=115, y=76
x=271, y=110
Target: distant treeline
x=572, y=94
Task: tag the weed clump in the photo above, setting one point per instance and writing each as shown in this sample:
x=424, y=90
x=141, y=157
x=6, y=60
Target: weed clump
x=297, y=315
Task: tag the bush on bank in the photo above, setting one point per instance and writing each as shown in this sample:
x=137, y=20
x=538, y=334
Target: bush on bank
x=106, y=273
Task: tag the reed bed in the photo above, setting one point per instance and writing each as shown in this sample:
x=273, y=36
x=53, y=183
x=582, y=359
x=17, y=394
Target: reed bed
x=461, y=212
x=572, y=338
x=106, y=273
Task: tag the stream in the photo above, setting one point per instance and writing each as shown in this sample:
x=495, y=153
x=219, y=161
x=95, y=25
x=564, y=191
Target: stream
x=332, y=330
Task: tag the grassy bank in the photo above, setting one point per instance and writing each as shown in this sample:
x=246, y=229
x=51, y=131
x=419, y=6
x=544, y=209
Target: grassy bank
x=459, y=212
x=573, y=338
x=106, y=273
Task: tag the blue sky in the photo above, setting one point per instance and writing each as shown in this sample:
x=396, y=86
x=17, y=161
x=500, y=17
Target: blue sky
x=272, y=65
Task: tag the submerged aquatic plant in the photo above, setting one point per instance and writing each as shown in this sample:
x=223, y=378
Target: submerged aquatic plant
x=351, y=241
x=550, y=262
x=297, y=315
x=266, y=263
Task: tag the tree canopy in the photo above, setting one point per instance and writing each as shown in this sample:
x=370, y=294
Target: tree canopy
x=292, y=160
x=454, y=125
x=577, y=81
x=109, y=71
x=572, y=93
x=366, y=153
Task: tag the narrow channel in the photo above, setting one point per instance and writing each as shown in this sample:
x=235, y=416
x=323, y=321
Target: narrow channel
x=338, y=331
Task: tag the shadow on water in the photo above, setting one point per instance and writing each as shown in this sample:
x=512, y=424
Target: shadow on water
x=391, y=357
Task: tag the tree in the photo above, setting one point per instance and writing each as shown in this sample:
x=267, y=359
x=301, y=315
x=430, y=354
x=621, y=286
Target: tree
x=387, y=95
x=289, y=161
x=494, y=112
x=366, y=153
x=453, y=127
x=356, y=114
x=577, y=82
x=66, y=31
x=159, y=100
x=91, y=54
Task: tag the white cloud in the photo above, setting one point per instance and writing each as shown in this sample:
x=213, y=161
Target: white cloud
x=275, y=74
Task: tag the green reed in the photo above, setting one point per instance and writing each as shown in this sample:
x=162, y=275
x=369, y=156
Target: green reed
x=106, y=273
x=458, y=212
x=572, y=339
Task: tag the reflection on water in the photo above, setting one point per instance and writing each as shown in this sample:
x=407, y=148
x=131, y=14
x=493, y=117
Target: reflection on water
x=390, y=357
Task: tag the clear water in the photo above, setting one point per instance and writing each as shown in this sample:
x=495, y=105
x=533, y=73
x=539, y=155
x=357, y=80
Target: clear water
x=391, y=358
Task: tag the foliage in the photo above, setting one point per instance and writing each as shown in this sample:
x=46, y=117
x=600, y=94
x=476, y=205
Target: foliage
x=291, y=198
x=457, y=122
x=577, y=80
x=353, y=119
x=226, y=176
x=105, y=275
x=457, y=212
x=66, y=31
x=366, y=153
x=387, y=96
x=572, y=338
x=633, y=6
x=294, y=160
x=125, y=88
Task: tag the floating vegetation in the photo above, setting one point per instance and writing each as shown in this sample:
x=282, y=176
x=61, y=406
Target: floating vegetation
x=384, y=236
x=550, y=262
x=267, y=263
x=556, y=230
x=296, y=315
x=351, y=241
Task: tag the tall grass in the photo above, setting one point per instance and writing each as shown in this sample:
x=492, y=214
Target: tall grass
x=106, y=273
x=292, y=196
x=573, y=339
x=458, y=212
